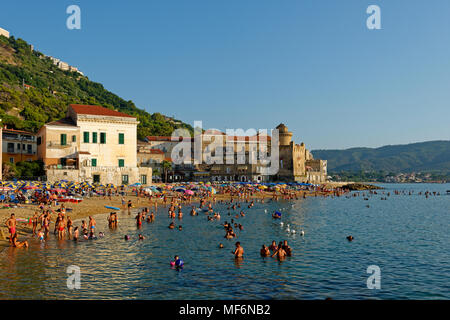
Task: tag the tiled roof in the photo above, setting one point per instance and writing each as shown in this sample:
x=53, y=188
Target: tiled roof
x=62, y=122
x=98, y=111
x=167, y=138
x=7, y=130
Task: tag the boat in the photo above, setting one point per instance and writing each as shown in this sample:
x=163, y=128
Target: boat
x=70, y=199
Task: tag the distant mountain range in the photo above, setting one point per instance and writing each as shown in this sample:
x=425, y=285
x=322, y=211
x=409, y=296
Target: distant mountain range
x=431, y=156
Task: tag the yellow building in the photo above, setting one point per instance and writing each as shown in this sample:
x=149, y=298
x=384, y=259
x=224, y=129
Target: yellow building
x=92, y=144
x=18, y=145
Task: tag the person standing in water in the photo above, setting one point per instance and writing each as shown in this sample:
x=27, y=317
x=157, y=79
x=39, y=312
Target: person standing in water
x=11, y=224
x=92, y=224
x=239, y=252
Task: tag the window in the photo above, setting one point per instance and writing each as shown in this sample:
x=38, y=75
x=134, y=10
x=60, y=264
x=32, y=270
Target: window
x=74, y=138
x=86, y=137
x=10, y=147
x=96, y=178
x=18, y=146
x=121, y=138
x=94, y=162
x=121, y=163
x=29, y=148
x=39, y=141
x=11, y=160
x=102, y=137
x=94, y=137
x=63, y=139
x=124, y=179
x=144, y=179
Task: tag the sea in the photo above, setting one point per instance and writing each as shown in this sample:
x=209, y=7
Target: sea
x=400, y=250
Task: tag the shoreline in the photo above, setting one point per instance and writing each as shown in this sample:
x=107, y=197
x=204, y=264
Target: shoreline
x=96, y=206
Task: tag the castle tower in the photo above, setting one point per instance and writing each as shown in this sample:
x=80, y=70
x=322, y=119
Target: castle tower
x=285, y=135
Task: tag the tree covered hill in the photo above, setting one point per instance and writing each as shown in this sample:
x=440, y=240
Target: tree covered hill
x=34, y=91
x=431, y=156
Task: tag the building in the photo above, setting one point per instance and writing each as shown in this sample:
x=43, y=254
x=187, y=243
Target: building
x=4, y=33
x=18, y=145
x=235, y=158
x=294, y=160
x=93, y=144
x=63, y=65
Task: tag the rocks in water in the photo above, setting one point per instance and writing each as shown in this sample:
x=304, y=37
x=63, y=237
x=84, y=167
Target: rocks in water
x=360, y=186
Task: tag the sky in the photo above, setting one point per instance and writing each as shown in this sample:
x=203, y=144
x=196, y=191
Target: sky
x=310, y=64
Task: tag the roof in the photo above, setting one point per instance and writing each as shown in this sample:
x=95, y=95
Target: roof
x=167, y=138
x=213, y=132
x=8, y=130
x=97, y=111
x=62, y=122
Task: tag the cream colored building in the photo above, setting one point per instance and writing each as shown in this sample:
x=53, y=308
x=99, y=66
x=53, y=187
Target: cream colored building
x=93, y=144
x=4, y=32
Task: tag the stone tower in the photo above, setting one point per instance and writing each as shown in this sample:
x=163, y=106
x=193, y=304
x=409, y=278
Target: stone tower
x=284, y=134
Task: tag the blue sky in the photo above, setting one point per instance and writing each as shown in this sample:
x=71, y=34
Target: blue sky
x=311, y=64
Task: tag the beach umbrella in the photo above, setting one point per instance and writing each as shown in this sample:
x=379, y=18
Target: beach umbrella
x=137, y=184
x=189, y=192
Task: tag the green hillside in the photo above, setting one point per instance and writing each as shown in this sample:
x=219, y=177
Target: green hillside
x=53, y=89
x=432, y=156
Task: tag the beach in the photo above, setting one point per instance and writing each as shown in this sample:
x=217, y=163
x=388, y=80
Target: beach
x=96, y=205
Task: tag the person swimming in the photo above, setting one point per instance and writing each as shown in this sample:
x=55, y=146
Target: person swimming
x=264, y=251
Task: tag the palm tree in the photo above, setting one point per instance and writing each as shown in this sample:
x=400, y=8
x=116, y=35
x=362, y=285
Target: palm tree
x=166, y=166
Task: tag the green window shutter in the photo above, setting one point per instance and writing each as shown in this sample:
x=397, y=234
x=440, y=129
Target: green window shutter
x=94, y=137
x=121, y=138
x=63, y=139
x=74, y=138
x=94, y=162
x=102, y=137
x=86, y=137
x=121, y=163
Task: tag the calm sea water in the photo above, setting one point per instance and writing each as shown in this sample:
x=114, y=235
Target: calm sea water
x=406, y=236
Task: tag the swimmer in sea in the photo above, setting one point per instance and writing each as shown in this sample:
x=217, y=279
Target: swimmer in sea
x=171, y=225
x=239, y=252
x=273, y=246
x=180, y=228
x=280, y=253
x=287, y=248
x=141, y=237
x=264, y=251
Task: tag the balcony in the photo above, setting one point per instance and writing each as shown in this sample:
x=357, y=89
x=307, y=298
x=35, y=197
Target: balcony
x=55, y=145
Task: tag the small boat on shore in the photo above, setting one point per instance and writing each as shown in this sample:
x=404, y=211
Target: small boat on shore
x=70, y=199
